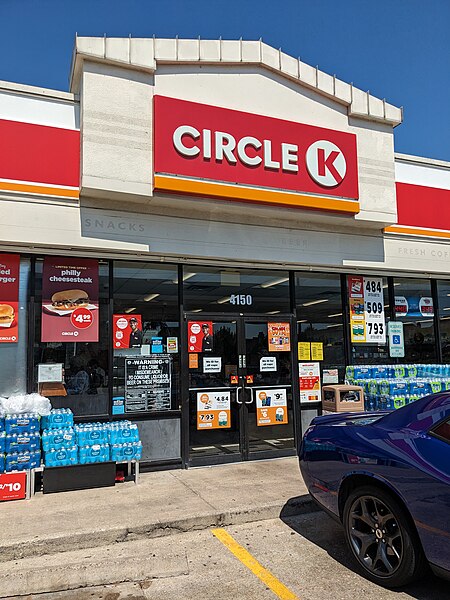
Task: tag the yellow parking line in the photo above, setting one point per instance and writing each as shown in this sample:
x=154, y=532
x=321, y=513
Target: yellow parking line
x=280, y=590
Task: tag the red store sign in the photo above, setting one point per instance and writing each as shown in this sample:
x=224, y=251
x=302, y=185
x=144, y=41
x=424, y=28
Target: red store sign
x=212, y=144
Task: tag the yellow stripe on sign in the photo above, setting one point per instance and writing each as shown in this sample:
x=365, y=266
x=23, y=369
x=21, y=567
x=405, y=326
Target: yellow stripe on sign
x=280, y=590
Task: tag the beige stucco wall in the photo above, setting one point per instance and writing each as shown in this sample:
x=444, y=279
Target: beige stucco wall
x=117, y=124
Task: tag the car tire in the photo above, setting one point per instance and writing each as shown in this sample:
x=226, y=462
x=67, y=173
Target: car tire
x=382, y=538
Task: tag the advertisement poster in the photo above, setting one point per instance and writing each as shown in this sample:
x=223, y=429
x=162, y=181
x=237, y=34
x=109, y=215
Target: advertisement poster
x=396, y=339
x=147, y=383
x=414, y=306
x=271, y=407
x=127, y=331
x=316, y=350
x=13, y=486
x=200, y=336
x=330, y=376
x=366, y=300
x=213, y=410
x=70, y=300
x=172, y=345
x=304, y=350
x=279, y=335
x=9, y=298
x=309, y=380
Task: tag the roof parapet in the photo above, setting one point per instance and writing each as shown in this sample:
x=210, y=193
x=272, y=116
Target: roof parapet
x=146, y=53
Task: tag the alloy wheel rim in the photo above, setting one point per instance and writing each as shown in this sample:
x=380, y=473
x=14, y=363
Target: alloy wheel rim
x=375, y=536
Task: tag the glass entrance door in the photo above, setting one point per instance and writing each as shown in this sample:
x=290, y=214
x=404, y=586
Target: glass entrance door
x=268, y=383
x=240, y=388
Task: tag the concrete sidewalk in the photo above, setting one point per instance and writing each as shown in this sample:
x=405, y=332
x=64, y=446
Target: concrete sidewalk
x=164, y=502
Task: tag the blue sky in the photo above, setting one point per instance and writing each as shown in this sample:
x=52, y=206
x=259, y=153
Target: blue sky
x=397, y=49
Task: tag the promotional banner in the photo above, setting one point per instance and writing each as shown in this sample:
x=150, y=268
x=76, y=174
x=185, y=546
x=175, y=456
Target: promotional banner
x=309, y=379
x=200, y=336
x=9, y=297
x=127, y=331
x=396, y=339
x=414, y=306
x=148, y=383
x=12, y=486
x=213, y=410
x=70, y=300
x=366, y=301
x=271, y=407
x=279, y=335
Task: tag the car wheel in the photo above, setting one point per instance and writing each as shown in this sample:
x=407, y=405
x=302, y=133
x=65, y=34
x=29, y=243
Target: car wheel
x=381, y=538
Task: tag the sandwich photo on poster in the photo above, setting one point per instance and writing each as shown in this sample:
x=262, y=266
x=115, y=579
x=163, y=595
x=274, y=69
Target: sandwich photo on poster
x=127, y=331
x=9, y=298
x=200, y=336
x=70, y=300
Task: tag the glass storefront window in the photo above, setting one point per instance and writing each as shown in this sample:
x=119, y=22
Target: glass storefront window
x=319, y=316
x=443, y=288
x=414, y=307
x=85, y=386
x=146, y=294
x=246, y=291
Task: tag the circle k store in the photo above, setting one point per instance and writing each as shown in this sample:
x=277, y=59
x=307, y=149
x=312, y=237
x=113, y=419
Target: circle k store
x=201, y=232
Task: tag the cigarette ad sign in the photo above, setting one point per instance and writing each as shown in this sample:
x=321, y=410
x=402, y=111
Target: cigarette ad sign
x=213, y=410
x=200, y=336
x=9, y=297
x=366, y=302
x=271, y=407
x=70, y=300
x=279, y=337
x=127, y=331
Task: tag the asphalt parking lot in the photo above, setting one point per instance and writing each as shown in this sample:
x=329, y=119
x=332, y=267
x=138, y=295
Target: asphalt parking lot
x=300, y=557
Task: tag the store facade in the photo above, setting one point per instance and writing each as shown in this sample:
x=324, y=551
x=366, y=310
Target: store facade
x=223, y=200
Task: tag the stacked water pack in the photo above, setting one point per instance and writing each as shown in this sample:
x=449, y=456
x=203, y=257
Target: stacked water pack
x=387, y=387
x=93, y=442
x=59, y=439
x=21, y=442
x=124, y=441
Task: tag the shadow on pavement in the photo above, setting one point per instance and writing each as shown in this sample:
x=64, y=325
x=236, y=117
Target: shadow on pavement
x=320, y=529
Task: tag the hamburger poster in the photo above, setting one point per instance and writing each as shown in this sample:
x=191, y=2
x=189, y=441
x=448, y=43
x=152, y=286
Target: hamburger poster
x=9, y=298
x=70, y=300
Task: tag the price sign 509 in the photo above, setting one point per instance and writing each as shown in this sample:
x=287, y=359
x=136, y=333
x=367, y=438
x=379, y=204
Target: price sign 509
x=374, y=308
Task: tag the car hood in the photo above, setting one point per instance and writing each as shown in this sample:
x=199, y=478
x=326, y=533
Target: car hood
x=362, y=418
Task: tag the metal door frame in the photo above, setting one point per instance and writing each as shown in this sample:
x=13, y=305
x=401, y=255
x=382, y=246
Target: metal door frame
x=241, y=389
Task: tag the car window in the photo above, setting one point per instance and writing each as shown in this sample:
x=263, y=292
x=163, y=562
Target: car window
x=442, y=431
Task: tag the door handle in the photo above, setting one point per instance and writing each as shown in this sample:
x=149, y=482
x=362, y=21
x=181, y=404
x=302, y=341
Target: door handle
x=238, y=393
x=251, y=396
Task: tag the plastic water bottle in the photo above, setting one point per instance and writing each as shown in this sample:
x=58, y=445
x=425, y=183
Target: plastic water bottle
x=61, y=457
x=2, y=442
x=22, y=442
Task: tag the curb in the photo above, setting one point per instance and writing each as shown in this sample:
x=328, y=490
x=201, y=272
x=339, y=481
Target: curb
x=97, y=538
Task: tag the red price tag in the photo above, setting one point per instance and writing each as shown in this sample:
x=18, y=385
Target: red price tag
x=12, y=486
x=81, y=318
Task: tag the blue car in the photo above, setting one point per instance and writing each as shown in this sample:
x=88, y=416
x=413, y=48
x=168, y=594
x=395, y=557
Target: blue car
x=386, y=478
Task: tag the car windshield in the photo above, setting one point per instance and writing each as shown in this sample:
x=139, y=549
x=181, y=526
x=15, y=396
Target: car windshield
x=364, y=420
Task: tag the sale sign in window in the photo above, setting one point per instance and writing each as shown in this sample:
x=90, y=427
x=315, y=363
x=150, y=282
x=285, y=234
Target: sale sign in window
x=214, y=410
x=366, y=302
x=271, y=407
x=70, y=300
